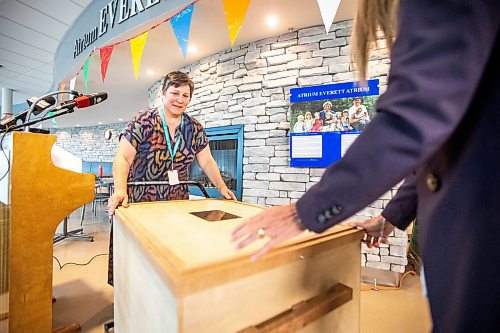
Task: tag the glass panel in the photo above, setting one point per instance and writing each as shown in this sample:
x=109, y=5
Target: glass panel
x=225, y=155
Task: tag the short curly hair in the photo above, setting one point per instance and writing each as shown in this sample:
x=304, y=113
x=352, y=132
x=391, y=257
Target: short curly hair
x=177, y=79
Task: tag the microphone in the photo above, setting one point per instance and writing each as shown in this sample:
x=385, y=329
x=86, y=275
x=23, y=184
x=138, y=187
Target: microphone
x=43, y=104
x=83, y=101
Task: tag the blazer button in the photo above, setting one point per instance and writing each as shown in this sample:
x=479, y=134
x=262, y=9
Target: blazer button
x=321, y=219
x=336, y=210
x=328, y=214
x=433, y=182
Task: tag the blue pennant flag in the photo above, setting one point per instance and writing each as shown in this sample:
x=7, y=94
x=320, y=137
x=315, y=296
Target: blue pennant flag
x=181, y=24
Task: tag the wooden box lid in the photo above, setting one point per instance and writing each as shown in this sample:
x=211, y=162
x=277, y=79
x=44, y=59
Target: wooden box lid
x=191, y=254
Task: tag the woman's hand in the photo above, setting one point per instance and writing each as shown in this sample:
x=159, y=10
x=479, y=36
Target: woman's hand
x=226, y=192
x=118, y=197
x=377, y=230
x=278, y=224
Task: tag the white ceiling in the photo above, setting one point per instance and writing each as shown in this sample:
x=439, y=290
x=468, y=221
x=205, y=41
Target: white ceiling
x=30, y=31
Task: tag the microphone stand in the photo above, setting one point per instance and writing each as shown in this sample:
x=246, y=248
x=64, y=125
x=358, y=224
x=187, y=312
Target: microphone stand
x=26, y=124
x=36, y=121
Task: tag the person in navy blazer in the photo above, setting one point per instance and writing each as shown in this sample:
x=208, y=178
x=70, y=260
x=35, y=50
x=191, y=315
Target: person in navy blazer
x=439, y=116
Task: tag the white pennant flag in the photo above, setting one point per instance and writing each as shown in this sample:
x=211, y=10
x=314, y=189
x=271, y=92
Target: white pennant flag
x=328, y=9
x=72, y=83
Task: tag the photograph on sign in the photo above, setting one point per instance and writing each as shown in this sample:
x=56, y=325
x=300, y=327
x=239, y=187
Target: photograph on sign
x=333, y=114
x=338, y=113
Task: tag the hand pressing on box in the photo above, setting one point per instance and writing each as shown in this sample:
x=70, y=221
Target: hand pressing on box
x=377, y=230
x=226, y=192
x=278, y=224
x=118, y=198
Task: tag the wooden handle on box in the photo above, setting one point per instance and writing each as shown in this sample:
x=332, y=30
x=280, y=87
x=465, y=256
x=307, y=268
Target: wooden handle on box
x=304, y=312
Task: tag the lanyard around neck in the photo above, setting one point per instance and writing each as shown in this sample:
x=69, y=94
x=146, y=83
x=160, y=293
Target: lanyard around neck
x=167, y=135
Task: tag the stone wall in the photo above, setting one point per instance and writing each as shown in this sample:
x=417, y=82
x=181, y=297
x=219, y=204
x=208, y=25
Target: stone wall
x=250, y=84
x=88, y=143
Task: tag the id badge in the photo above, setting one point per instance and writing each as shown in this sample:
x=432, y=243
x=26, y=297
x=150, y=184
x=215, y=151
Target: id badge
x=173, y=177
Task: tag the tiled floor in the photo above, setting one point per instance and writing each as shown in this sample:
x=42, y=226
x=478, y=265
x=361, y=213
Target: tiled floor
x=84, y=297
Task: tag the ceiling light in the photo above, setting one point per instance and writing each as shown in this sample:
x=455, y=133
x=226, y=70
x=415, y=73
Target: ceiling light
x=100, y=123
x=120, y=119
x=192, y=49
x=272, y=21
x=150, y=72
x=77, y=125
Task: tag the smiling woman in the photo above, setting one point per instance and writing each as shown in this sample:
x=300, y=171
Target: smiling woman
x=162, y=143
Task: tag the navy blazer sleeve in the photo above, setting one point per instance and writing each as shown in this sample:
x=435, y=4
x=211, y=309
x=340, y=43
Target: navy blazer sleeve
x=437, y=63
x=402, y=209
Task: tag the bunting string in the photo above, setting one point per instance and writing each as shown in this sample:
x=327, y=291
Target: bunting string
x=235, y=12
x=138, y=35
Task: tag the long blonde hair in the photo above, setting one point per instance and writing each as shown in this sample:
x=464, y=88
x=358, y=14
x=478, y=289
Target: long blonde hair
x=371, y=16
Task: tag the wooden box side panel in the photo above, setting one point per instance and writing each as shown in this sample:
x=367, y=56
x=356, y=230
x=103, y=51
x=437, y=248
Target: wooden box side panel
x=238, y=304
x=143, y=303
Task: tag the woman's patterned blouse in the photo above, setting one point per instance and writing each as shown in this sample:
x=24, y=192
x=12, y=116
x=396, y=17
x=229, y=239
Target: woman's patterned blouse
x=146, y=134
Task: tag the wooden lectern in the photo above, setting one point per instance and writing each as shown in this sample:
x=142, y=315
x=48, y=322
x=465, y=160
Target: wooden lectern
x=175, y=270
x=40, y=197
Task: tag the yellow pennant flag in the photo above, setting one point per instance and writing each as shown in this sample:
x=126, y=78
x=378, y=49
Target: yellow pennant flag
x=60, y=98
x=235, y=13
x=136, y=47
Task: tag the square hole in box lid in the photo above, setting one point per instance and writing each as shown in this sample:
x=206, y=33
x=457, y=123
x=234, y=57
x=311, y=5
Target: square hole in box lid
x=215, y=215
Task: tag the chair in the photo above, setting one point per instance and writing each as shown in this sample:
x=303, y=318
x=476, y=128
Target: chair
x=101, y=195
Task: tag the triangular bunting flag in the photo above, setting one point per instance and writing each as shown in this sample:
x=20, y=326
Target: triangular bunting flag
x=105, y=53
x=86, y=74
x=72, y=83
x=235, y=13
x=59, y=100
x=181, y=24
x=328, y=9
x=136, y=47
x=49, y=114
x=59, y=97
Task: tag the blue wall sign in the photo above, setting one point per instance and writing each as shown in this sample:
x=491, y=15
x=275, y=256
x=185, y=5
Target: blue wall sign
x=326, y=119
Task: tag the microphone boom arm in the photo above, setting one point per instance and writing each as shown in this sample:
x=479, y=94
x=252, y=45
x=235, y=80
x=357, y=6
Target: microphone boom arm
x=39, y=120
x=30, y=111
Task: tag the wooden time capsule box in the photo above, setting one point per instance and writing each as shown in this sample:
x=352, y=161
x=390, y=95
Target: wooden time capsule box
x=175, y=270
